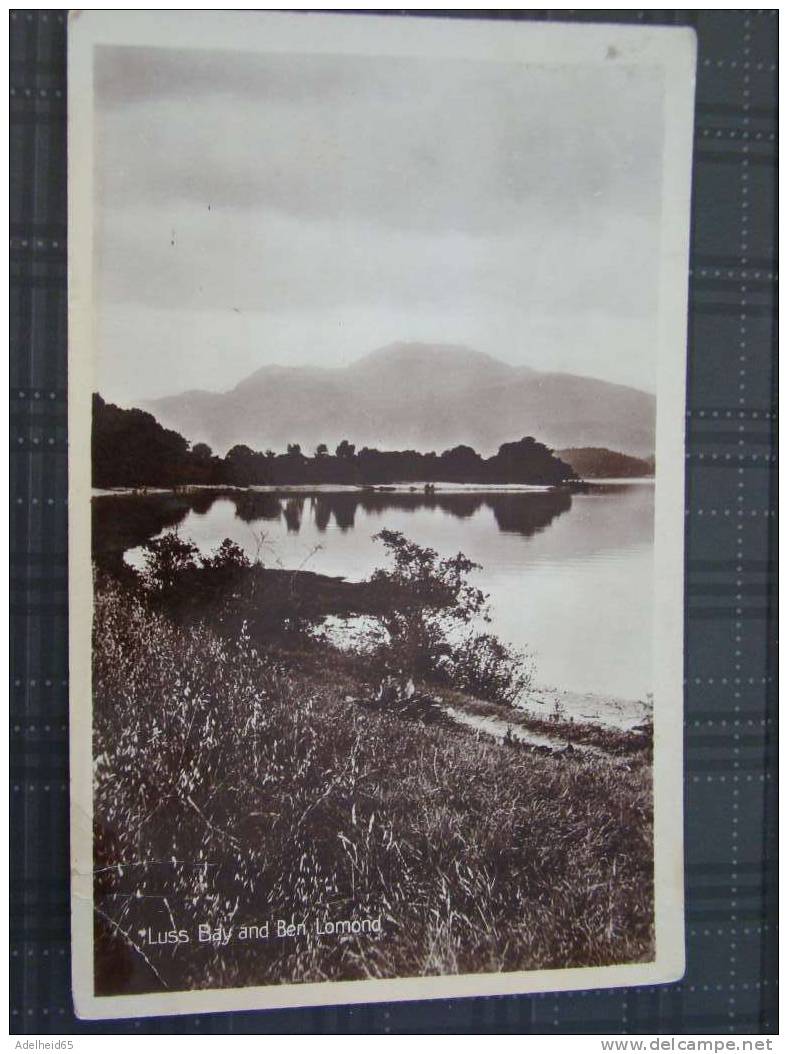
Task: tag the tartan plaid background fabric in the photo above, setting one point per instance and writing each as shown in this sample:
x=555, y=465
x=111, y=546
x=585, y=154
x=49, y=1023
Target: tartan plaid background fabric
x=731, y=682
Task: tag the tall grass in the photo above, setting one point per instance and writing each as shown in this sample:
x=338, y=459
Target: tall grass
x=229, y=789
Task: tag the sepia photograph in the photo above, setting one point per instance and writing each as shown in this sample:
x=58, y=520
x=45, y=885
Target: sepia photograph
x=376, y=380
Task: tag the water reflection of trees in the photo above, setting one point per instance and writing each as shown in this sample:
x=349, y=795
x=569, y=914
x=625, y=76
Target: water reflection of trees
x=253, y=505
x=122, y=522
x=522, y=513
x=515, y=516
x=324, y=506
x=292, y=510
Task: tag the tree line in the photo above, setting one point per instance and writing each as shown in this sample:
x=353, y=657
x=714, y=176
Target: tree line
x=130, y=448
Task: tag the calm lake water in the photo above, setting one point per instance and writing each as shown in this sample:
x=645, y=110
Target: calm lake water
x=569, y=575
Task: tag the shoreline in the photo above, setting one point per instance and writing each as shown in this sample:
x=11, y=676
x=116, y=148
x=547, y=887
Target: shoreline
x=419, y=487
x=552, y=733
x=600, y=708
x=545, y=715
x=544, y=704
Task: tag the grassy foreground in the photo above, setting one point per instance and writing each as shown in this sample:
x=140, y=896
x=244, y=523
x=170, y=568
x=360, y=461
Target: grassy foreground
x=232, y=789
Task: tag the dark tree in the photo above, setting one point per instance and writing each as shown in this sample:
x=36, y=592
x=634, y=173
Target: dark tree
x=346, y=449
x=460, y=463
x=527, y=461
x=130, y=448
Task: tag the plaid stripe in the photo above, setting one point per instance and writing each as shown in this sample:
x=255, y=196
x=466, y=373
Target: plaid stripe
x=731, y=620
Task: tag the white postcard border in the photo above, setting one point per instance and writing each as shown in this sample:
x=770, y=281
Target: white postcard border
x=671, y=49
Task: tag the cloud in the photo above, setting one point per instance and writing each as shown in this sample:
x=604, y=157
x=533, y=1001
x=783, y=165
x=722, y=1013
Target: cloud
x=401, y=142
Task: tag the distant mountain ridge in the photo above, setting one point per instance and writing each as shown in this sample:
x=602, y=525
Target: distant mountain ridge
x=596, y=463
x=412, y=395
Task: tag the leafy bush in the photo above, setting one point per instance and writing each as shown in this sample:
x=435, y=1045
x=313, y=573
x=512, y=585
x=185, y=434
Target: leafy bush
x=167, y=559
x=485, y=667
x=228, y=558
x=189, y=586
x=432, y=607
x=429, y=599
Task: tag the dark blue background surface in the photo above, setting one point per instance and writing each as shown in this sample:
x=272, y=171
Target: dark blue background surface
x=731, y=687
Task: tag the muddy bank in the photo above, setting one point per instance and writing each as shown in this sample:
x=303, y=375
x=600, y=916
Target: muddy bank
x=550, y=733
x=506, y=731
x=549, y=704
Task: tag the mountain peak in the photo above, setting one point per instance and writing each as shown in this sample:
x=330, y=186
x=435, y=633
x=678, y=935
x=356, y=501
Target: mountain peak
x=415, y=395
x=409, y=354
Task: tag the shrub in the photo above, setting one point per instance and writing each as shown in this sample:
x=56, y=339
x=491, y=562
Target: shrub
x=228, y=558
x=166, y=559
x=430, y=599
x=188, y=586
x=432, y=607
x=483, y=666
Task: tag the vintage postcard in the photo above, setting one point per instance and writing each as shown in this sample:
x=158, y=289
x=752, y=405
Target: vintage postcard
x=376, y=376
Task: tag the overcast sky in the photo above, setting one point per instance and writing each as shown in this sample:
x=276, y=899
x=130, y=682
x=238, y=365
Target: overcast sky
x=257, y=209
